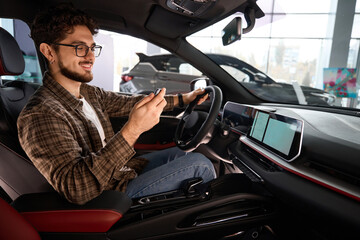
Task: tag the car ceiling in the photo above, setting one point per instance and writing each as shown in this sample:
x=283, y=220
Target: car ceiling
x=148, y=19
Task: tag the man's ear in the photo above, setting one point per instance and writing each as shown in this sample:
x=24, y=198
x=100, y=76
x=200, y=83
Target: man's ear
x=47, y=51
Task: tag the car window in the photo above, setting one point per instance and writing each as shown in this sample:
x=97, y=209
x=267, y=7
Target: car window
x=21, y=33
x=239, y=75
x=131, y=65
x=119, y=68
x=186, y=68
x=296, y=51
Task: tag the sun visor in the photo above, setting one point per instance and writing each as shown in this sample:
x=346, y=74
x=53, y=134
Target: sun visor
x=108, y=21
x=169, y=24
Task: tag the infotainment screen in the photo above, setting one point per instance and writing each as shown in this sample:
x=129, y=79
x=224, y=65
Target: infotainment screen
x=278, y=133
x=238, y=117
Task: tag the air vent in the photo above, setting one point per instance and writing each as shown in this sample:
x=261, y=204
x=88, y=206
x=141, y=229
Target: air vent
x=190, y=7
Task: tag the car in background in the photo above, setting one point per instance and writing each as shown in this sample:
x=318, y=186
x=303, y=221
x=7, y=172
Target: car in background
x=170, y=71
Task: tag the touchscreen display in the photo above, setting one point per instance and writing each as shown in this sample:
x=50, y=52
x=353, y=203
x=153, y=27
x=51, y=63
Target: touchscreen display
x=238, y=117
x=278, y=133
x=259, y=125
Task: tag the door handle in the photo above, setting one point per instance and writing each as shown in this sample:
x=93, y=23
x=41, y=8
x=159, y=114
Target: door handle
x=163, y=77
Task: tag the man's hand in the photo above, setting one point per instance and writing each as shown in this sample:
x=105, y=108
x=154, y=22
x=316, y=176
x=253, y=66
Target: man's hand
x=144, y=116
x=190, y=96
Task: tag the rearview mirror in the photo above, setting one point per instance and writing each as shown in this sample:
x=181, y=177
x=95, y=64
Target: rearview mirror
x=232, y=32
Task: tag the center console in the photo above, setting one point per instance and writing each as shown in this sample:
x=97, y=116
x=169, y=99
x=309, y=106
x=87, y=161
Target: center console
x=221, y=207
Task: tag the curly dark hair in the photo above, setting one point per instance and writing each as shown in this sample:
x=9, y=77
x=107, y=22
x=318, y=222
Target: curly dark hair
x=52, y=25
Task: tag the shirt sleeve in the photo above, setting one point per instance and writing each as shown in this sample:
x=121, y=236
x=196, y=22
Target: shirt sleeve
x=77, y=173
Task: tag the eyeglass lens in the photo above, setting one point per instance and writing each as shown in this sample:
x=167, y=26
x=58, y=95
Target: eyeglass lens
x=82, y=50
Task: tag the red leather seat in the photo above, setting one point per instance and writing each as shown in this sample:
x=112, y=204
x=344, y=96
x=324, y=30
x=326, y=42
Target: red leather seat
x=14, y=226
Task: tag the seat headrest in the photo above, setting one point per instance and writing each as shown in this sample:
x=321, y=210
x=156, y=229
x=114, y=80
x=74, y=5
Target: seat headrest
x=11, y=58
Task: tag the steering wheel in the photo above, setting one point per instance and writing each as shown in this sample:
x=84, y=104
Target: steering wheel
x=194, y=126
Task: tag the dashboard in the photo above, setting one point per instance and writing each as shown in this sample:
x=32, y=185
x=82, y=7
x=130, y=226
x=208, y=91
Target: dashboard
x=306, y=157
x=279, y=134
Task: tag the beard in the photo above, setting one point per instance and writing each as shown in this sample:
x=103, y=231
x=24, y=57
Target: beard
x=84, y=78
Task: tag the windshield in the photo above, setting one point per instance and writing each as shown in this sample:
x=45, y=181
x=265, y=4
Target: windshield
x=301, y=52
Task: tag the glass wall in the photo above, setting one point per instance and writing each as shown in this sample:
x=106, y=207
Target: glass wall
x=355, y=38
x=354, y=58
x=291, y=43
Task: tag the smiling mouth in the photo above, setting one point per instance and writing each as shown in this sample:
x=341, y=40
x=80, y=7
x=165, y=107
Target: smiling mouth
x=86, y=65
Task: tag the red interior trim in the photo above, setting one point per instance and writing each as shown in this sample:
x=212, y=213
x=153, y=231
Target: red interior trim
x=2, y=70
x=308, y=178
x=73, y=220
x=13, y=225
x=155, y=146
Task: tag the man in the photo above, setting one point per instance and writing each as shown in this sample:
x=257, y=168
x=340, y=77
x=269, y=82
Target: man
x=65, y=128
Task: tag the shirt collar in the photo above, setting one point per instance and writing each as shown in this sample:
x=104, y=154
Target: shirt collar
x=64, y=95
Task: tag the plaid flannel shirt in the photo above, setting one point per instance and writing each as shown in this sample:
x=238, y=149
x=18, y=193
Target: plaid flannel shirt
x=66, y=147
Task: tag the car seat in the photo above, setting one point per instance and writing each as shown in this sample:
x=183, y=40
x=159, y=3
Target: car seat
x=13, y=97
x=22, y=185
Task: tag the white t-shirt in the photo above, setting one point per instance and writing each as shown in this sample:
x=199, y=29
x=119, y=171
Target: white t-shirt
x=92, y=116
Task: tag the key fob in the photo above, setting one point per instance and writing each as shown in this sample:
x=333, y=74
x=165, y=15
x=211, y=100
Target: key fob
x=157, y=91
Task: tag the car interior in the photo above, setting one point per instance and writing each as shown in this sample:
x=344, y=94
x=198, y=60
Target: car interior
x=299, y=181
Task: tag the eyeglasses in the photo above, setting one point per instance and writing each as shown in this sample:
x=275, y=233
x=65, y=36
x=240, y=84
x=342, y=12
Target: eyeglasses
x=82, y=50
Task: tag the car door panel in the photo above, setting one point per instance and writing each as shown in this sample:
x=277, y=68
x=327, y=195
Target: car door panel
x=174, y=82
x=161, y=136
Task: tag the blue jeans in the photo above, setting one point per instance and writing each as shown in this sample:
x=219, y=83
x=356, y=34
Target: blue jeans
x=167, y=169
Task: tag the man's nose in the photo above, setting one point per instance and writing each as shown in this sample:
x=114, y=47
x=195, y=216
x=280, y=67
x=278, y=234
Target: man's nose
x=90, y=55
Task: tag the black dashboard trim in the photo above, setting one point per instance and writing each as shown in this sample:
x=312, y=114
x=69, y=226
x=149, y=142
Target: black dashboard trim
x=318, y=203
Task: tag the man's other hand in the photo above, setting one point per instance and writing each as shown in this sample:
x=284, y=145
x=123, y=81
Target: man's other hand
x=191, y=96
